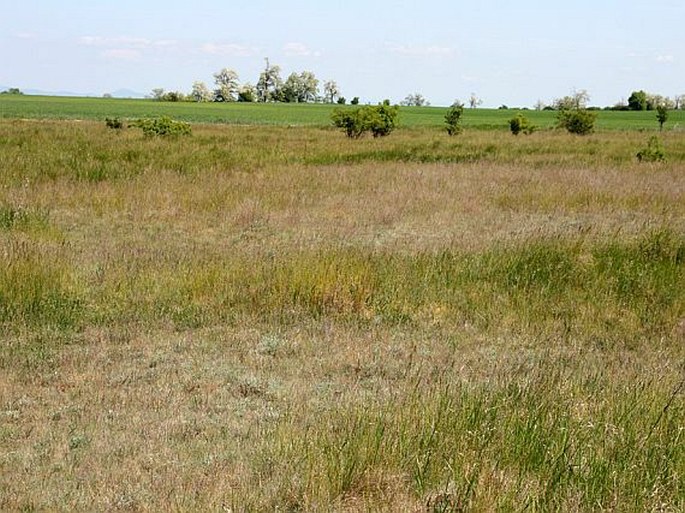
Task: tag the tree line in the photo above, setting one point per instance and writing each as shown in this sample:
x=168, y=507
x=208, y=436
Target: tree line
x=302, y=87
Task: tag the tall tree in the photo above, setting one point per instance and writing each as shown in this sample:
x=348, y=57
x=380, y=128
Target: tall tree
x=637, y=100
x=226, y=81
x=269, y=83
x=474, y=101
x=201, y=92
x=330, y=91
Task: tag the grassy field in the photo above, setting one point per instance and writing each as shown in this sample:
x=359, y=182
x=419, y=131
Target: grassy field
x=273, y=318
x=43, y=107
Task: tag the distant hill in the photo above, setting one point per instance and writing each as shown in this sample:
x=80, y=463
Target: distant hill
x=127, y=93
x=119, y=93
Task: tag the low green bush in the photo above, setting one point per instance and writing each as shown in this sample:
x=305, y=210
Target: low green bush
x=114, y=123
x=380, y=120
x=520, y=124
x=577, y=121
x=163, y=126
x=654, y=152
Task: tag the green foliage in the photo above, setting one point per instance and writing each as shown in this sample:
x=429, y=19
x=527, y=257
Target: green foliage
x=380, y=120
x=637, y=100
x=654, y=152
x=341, y=100
x=13, y=90
x=383, y=118
x=114, y=123
x=519, y=124
x=661, y=115
x=351, y=121
x=577, y=121
x=163, y=126
x=453, y=118
x=355, y=100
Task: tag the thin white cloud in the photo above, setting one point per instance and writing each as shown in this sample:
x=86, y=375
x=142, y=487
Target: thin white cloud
x=122, y=54
x=299, y=50
x=26, y=35
x=126, y=42
x=420, y=50
x=230, y=50
x=665, y=59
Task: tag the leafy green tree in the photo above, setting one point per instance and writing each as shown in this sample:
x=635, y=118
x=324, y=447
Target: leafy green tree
x=453, y=118
x=661, y=115
x=637, y=100
x=13, y=90
x=355, y=101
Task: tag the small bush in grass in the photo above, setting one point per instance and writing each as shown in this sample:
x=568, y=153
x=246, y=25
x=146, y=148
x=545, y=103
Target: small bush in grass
x=654, y=152
x=453, y=118
x=577, y=121
x=520, y=124
x=380, y=120
x=114, y=123
x=163, y=126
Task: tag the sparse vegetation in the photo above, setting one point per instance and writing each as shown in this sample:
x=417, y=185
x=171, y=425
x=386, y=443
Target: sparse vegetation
x=653, y=152
x=114, y=123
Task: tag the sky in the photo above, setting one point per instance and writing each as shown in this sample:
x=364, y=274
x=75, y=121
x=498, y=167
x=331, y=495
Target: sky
x=505, y=52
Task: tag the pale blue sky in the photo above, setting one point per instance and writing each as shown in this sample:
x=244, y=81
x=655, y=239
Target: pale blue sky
x=506, y=52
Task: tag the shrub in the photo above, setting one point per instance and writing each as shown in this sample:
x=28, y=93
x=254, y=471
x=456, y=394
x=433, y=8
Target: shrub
x=577, y=121
x=453, y=118
x=352, y=121
x=661, y=115
x=380, y=120
x=654, y=152
x=520, y=124
x=163, y=126
x=355, y=100
x=114, y=123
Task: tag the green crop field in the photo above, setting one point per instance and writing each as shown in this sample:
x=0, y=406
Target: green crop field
x=50, y=107
x=266, y=315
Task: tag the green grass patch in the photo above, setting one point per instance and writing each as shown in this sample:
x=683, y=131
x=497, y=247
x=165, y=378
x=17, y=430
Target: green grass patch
x=54, y=107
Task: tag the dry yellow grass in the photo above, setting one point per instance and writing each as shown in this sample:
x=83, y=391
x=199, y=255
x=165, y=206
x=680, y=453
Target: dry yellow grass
x=163, y=391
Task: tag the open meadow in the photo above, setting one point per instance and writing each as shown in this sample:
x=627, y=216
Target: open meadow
x=279, y=318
